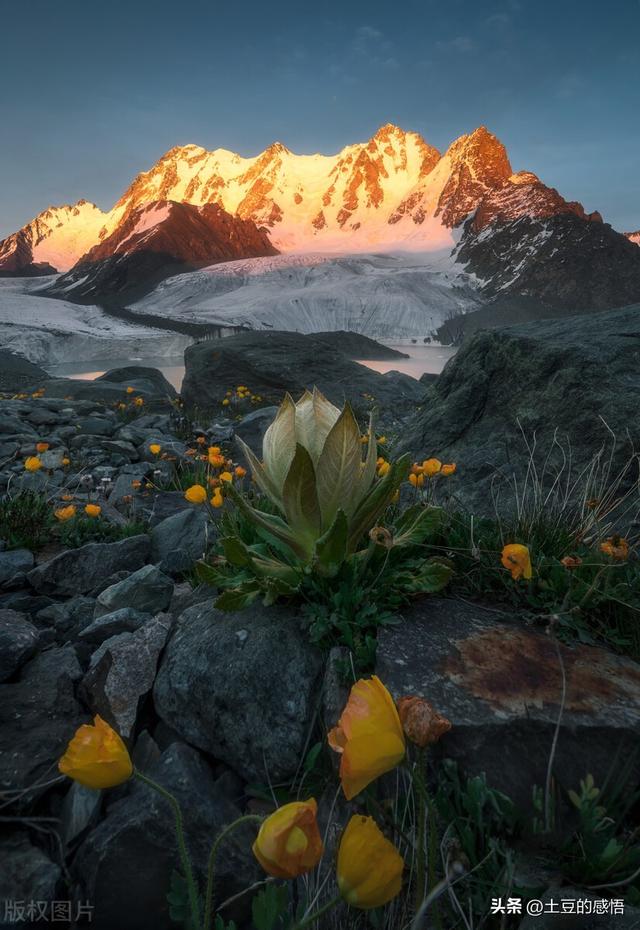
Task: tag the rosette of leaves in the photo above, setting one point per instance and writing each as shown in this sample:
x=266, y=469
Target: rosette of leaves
x=322, y=497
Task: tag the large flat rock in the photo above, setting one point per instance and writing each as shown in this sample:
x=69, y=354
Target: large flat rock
x=500, y=684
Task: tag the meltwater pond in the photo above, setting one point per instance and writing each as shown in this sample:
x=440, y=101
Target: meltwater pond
x=422, y=358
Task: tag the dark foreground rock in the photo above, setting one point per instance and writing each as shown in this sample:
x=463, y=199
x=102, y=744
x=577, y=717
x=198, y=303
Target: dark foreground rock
x=78, y=571
x=270, y=363
x=125, y=864
x=577, y=378
x=18, y=642
x=38, y=716
x=500, y=684
x=27, y=874
x=241, y=687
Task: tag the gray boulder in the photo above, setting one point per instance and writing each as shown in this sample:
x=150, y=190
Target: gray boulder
x=500, y=684
x=16, y=372
x=18, y=642
x=27, y=874
x=123, y=620
x=270, y=363
x=578, y=376
x=253, y=426
x=122, y=672
x=13, y=562
x=147, y=590
x=179, y=540
x=38, y=716
x=142, y=378
x=77, y=571
x=241, y=687
x=125, y=864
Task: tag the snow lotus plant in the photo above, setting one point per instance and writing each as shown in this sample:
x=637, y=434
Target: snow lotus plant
x=319, y=475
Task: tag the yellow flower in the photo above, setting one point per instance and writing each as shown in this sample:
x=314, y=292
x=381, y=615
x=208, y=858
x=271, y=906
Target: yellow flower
x=431, y=467
x=416, y=469
x=136, y=484
x=215, y=459
x=93, y=510
x=130, y=390
x=226, y=476
x=416, y=480
x=217, y=499
x=65, y=513
x=240, y=471
x=154, y=448
x=616, y=546
x=96, y=757
x=383, y=468
x=42, y=446
x=449, y=469
x=139, y=401
x=517, y=559
x=369, y=865
x=32, y=463
x=225, y=402
x=122, y=406
x=288, y=843
x=382, y=440
x=369, y=736
x=196, y=494
x=66, y=461
x=66, y=497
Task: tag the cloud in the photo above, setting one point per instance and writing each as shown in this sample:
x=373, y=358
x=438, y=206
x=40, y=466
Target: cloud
x=462, y=44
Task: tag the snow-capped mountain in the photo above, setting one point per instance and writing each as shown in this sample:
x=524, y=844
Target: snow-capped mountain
x=393, y=192
x=53, y=241
x=156, y=239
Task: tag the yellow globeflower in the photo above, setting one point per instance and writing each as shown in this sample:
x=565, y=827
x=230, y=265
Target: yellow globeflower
x=32, y=463
x=369, y=736
x=65, y=513
x=96, y=757
x=139, y=401
x=66, y=461
x=616, y=547
x=93, y=510
x=383, y=468
x=289, y=842
x=154, y=448
x=369, y=865
x=225, y=402
x=196, y=494
x=416, y=480
x=217, y=500
x=226, y=476
x=448, y=469
x=130, y=390
x=517, y=559
x=431, y=467
x=240, y=471
x=42, y=446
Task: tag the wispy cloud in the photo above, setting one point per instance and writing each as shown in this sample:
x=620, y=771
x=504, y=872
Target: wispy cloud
x=462, y=44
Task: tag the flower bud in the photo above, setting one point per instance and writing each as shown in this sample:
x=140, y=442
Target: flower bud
x=420, y=721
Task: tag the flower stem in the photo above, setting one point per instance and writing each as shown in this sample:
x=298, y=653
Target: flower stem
x=312, y=918
x=208, y=901
x=182, y=846
x=421, y=823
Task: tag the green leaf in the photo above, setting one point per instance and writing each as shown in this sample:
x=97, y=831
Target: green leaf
x=237, y=598
x=209, y=574
x=261, y=477
x=312, y=757
x=270, y=522
x=433, y=577
x=417, y=524
x=331, y=548
x=235, y=550
x=268, y=906
x=338, y=469
x=300, y=498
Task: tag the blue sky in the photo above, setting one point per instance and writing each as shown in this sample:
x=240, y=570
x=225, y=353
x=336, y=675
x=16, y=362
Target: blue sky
x=93, y=92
